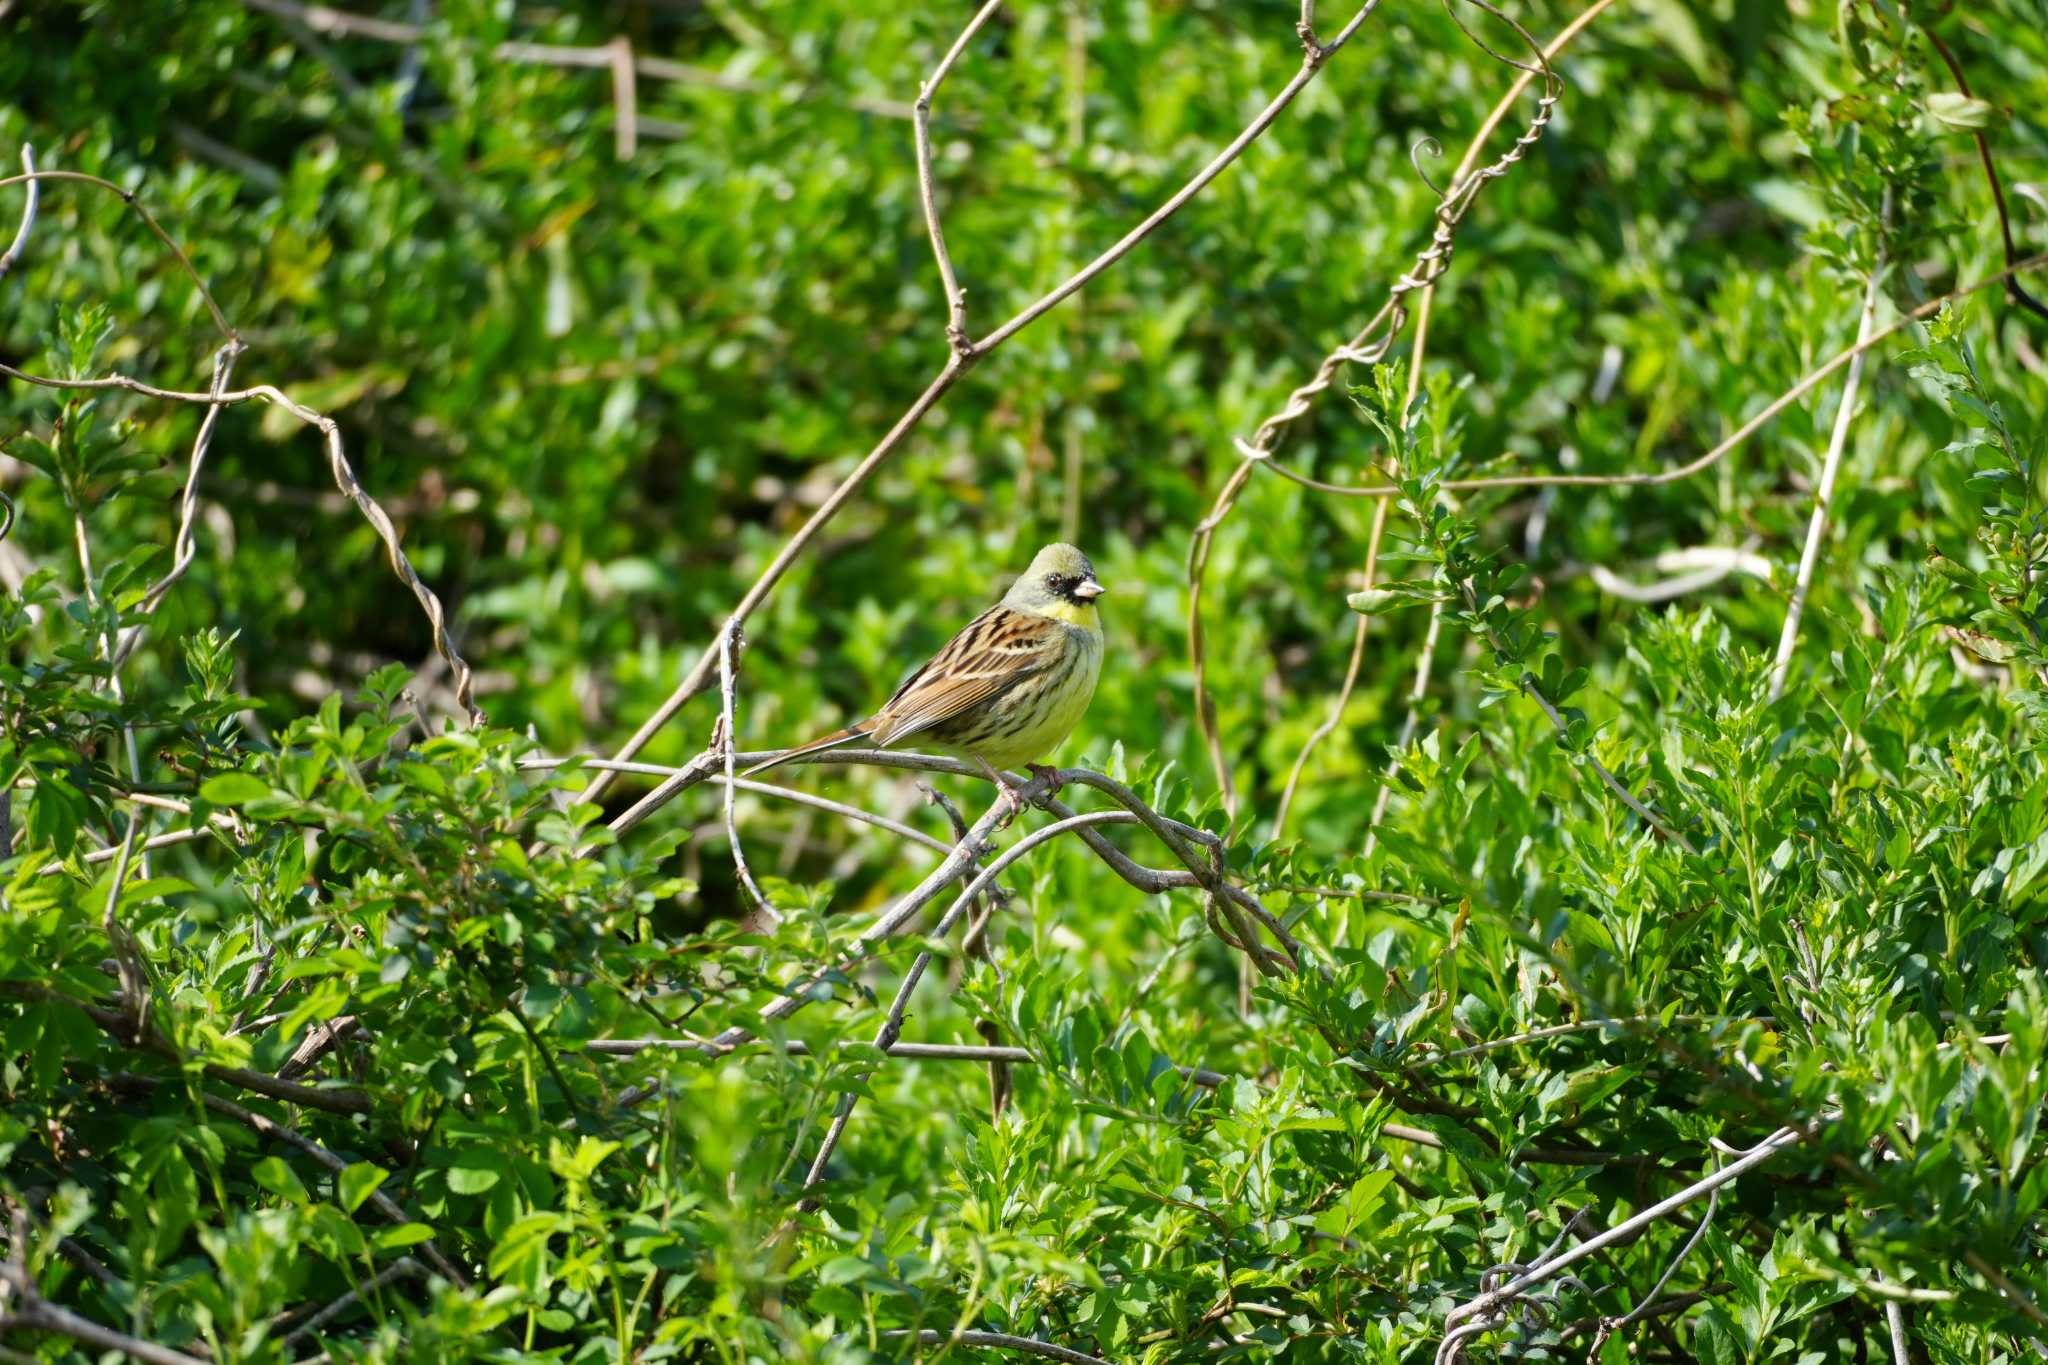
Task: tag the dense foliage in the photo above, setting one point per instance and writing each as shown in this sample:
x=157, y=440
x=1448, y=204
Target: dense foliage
x=324, y=1069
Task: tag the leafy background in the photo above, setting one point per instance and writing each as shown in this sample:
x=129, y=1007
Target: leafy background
x=597, y=394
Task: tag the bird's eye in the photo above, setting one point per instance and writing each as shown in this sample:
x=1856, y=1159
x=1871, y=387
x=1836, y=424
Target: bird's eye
x=1052, y=580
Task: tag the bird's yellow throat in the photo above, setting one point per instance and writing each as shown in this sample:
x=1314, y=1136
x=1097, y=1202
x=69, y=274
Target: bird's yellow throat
x=1080, y=614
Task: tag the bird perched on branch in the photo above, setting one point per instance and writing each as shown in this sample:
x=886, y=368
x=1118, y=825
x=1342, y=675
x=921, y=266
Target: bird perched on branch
x=1009, y=688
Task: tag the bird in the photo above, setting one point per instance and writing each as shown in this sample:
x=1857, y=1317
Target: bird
x=1009, y=688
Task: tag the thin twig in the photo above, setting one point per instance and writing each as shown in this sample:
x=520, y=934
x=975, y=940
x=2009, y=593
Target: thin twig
x=699, y=676
x=344, y=478
x=28, y=213
x=1200, y=852
x=1734, y=441
x=2003, y=1283
x=1368, y=347
x=1838, y=440
x=892, y=1023
x=1895, y=1325
x=156, y=229
x=1425, y=659
x=404, y=1268
x=1609, y=1326
x=40, y=1315
x=1486, y=1306
x=762, y=919
x=956, y=298
x=185, y=543
x=24, y=1309
x=1000, y=1340
x=154, y=841
x=134, y=986
x=956, y=864
x=383, y=1202
x=333, y=1100
x=2013, y=292
x=323, y=19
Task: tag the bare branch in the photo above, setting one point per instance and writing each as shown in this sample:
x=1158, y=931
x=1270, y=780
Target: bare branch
x=926, y=1052
x=1425, y=658
x=1693, y=569
x=322, y=19
x=185, y=544
x=745, y=784
x=1453, y=203
x=1838, y=439
x=892, y=1023
x=1734, y=441
x=700, y=674
x=1000, y=1340
x=404, y=1268
x=134, y=984
x=1895, y=1325
x=2014, y=1295
x=956, y=298
x=28, y=213
x=344, y=478
x=169, y=243
x=40, y=1315
x=1613, y=783
x=762, y=919
x=1609, y=1326
x=383, y=1202
x=625, y=98
x=24, y=1309
x=333, y=1100
x=2013, y=292
x=1369, y=346
x=1484, y=1312
x=1311, y=63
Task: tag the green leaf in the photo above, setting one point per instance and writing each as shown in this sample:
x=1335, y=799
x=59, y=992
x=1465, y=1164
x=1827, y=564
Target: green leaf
x=233, y=789
x=274, y=1175
x=475, y=1170
x=357, y=1182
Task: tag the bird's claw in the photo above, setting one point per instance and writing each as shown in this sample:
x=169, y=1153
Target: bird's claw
x=1014, y=803
x=1046, y=773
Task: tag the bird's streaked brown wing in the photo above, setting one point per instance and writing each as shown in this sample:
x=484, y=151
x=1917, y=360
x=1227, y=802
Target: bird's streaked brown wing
x=998, y=649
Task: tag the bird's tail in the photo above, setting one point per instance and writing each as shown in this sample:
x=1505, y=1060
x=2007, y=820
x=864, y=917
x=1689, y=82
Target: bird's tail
x=831, y=741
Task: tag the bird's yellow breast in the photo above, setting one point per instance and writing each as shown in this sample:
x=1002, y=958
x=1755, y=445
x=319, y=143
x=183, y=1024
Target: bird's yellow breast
x=1034, y=718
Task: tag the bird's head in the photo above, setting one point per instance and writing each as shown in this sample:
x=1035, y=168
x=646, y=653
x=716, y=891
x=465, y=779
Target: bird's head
x=1060, y=583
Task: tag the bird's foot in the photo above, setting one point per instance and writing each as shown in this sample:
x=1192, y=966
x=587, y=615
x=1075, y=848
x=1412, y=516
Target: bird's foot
x=1046, y=773
x=1014, y=801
